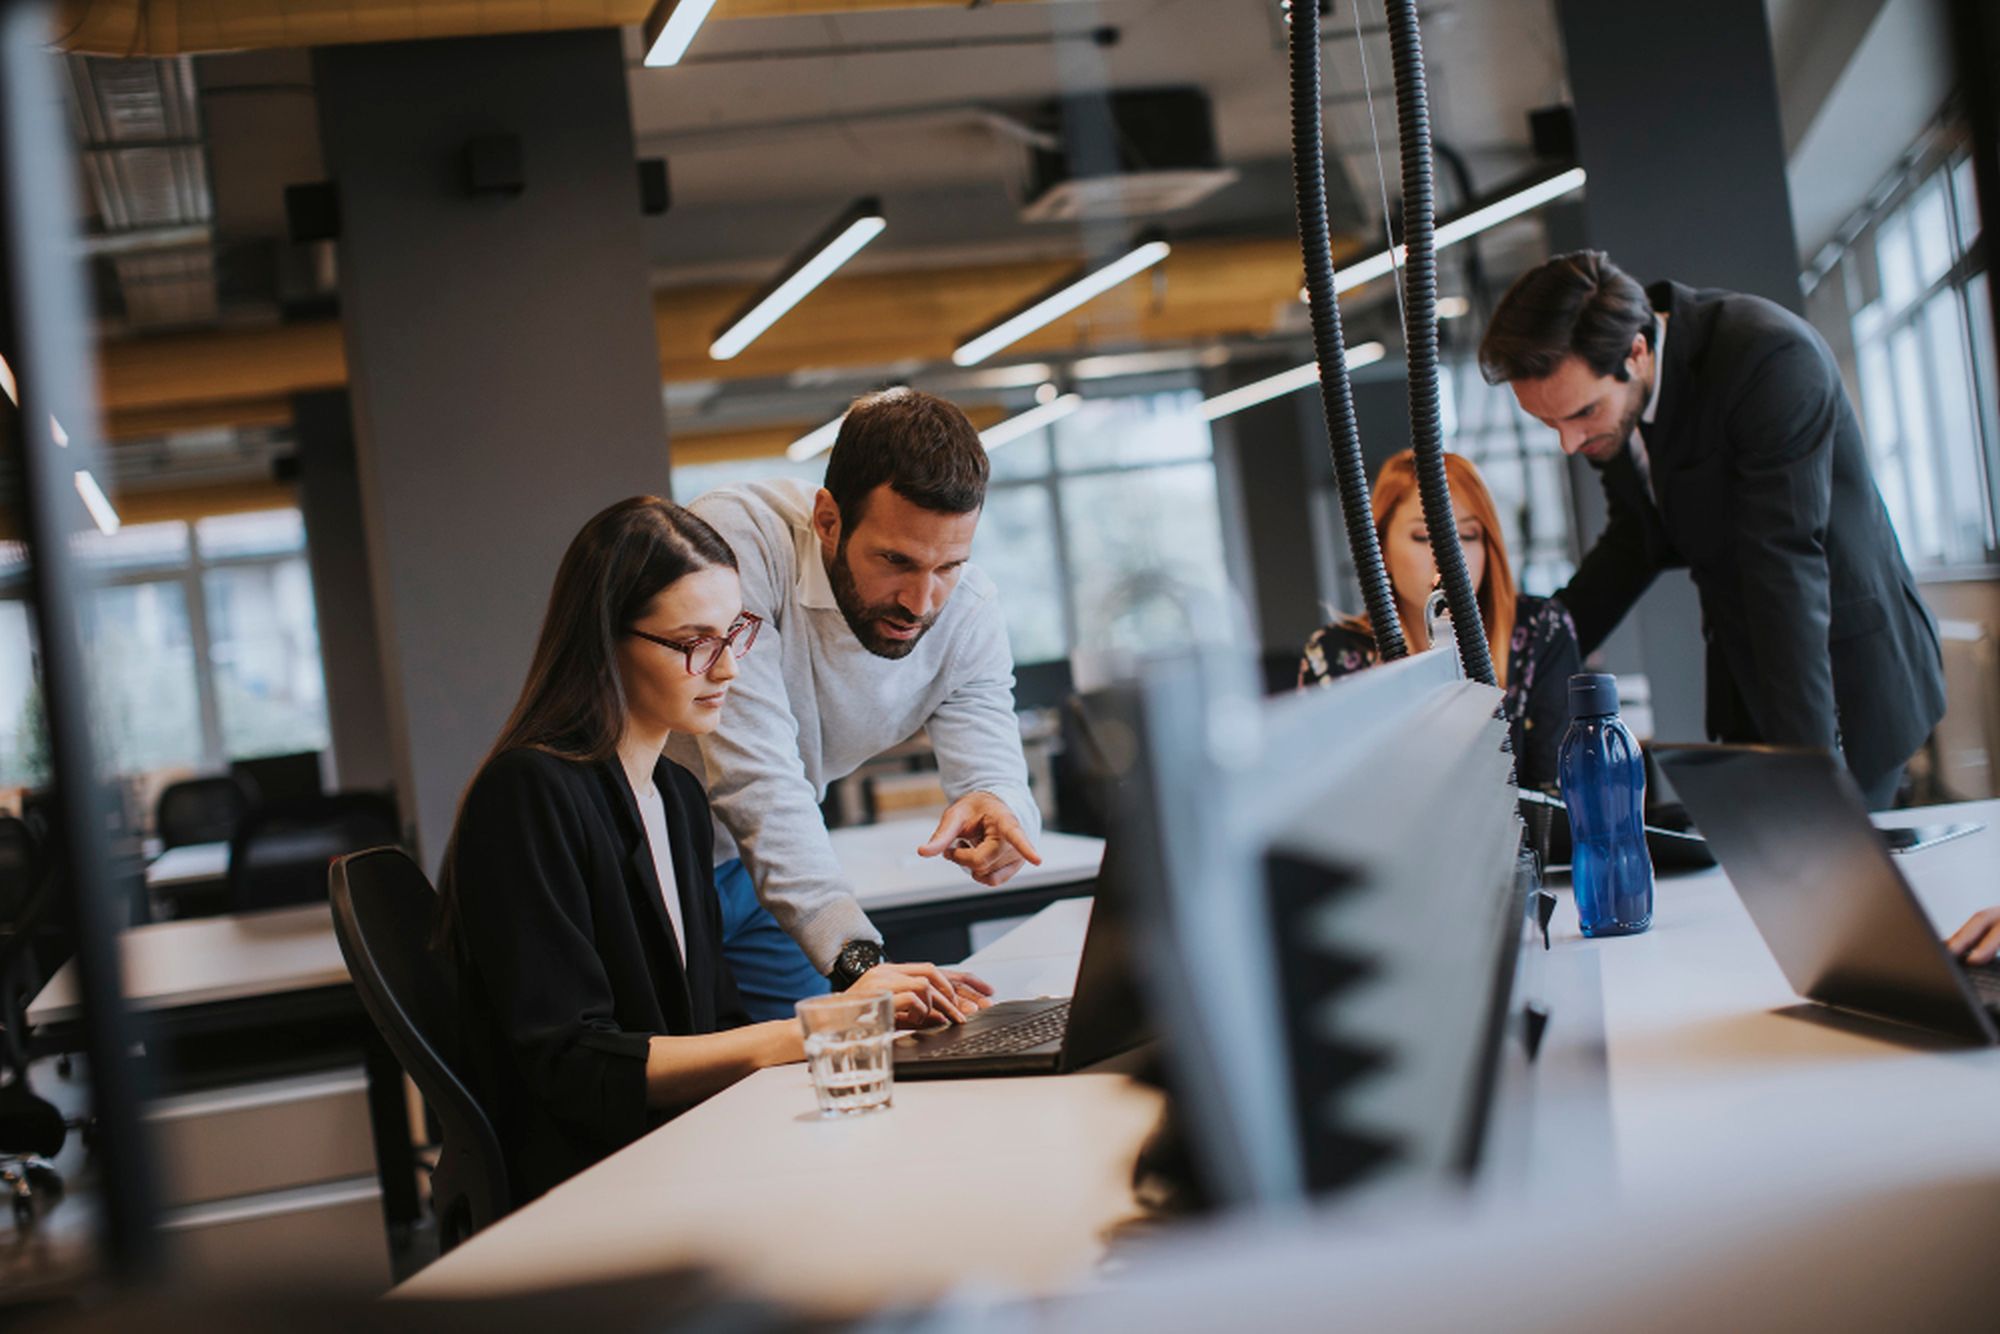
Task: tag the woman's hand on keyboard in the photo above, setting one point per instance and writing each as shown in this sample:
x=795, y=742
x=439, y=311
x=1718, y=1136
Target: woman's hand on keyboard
x=925, y=994
x=1978, y=941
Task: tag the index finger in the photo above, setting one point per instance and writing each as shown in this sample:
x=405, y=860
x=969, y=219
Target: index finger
x=1010, y=829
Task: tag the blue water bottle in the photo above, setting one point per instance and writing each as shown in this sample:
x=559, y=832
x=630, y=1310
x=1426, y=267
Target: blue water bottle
x=1604, y=787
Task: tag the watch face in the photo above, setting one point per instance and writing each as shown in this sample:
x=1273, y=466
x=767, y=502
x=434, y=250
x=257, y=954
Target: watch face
x=857, y=957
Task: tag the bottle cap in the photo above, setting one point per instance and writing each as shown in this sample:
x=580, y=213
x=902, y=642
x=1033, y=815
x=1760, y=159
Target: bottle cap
x=1593, y=695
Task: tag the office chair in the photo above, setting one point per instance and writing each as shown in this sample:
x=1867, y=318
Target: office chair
x=200, y=810
x=32, y=1131
x=382, y=909
x=270, y=779
x=279, y=854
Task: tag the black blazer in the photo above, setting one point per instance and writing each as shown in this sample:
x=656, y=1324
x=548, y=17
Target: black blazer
x=1815, y=633
x=568, y=964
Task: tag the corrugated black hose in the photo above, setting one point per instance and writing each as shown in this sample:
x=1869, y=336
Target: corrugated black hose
x=1336, y=394
x=1413, y=123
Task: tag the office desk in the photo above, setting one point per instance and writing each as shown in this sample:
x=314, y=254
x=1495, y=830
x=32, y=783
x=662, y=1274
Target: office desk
x=929, y=908
x=1717, y=1071
x=192, y=879
x=211, y=960
x=1738, y=1134
x=1008, y=1181
x=242, y=983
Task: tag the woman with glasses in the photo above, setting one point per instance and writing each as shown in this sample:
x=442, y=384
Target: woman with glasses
x=577, y=896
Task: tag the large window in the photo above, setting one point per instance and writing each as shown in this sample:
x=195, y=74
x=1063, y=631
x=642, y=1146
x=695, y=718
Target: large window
x=1524, y=468
x=1119, y=488
x=1915, y=282
x=203, y=643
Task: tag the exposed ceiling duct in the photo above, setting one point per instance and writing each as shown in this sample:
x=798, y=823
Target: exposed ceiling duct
x=146, y=178
x=177, y=27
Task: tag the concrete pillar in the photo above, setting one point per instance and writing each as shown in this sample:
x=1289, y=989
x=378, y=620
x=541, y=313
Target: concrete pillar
x=350, y=650
x=1678, y=125
x=502, y=360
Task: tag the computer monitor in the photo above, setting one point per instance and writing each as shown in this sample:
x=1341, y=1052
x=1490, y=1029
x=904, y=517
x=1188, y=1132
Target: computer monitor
x=1328, y=912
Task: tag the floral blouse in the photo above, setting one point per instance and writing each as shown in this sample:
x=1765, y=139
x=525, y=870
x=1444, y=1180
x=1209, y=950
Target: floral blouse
x=1541, y=657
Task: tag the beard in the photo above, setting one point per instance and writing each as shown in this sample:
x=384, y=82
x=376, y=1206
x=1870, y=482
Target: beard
x=1628, y=422
x=865, y=621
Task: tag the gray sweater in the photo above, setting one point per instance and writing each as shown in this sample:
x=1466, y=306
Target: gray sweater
x=812, y=705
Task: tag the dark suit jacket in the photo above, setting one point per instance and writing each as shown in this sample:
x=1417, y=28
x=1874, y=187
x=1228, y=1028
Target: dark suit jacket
x=568, y=963
x=1816, y=636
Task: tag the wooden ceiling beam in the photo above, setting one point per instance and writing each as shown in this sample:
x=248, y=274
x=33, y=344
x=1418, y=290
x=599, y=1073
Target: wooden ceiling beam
x=1204, y=290
x=764, y=442
x=183, y=27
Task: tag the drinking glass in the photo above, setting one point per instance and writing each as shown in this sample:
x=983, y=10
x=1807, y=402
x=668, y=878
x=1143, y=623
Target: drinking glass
x=847, y=1048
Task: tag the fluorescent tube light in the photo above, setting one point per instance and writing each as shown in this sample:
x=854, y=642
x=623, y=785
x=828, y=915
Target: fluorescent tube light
x=816, y=441
x=853, y=229
x=94, y=500
x=58, y=434
x=8, y=383
x=671, y=27
x=1054, y=305
x=1453, y=307
x=1034, y=419
x=1512, y=204
x=1284, y=382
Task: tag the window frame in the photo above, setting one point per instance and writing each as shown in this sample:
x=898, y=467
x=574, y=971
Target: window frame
x=1875, y=330
x=191, y=574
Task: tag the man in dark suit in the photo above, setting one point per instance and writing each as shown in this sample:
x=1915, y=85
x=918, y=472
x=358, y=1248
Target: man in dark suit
x=1726, y=444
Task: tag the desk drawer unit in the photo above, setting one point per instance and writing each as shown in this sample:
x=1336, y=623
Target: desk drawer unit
x=272, y=1175
x=268, y=1135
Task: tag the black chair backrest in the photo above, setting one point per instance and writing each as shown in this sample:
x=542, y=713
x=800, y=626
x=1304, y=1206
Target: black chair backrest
x=382, y=910
x=280, y=852
x=200, y=810
x=278, y=778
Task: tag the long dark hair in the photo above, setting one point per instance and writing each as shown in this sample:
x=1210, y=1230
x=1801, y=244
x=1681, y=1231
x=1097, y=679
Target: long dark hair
x=573, y=704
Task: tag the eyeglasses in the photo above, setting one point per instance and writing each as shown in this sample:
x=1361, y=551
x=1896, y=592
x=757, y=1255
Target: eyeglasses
x=702, y=654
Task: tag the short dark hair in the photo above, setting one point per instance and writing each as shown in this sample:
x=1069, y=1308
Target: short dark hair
x=918, y=443
x=1577, y=304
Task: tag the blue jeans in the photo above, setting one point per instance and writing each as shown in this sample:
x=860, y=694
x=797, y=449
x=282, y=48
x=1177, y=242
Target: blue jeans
x=771, y=971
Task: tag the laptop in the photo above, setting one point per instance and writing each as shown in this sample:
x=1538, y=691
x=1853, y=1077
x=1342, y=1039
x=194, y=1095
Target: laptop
x=1044, y=1037
x=1793, y=834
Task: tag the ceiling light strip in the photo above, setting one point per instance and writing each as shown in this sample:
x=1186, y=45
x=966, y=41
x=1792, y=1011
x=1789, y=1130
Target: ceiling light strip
x=861, y=223
x=816, y=441
x=1482, y=218
x=671, y=27
x=1284, y=382
x=1047, y=309
x=1034, y=419
x=99, y=505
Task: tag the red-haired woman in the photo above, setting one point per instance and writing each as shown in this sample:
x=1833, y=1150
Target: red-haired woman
x=1533, y=642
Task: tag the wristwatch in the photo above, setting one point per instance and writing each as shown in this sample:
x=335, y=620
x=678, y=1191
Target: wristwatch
x=855, y=958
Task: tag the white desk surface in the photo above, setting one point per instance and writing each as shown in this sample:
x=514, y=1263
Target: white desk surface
x=188, y=864
x=207, y=959
x=1735, y=1124
x=1717, y=1072
x=882, y=861
x=1003, y=1181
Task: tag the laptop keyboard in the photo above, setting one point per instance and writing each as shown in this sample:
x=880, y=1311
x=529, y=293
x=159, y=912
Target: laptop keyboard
x=1985, y=979
x=1003, y=1039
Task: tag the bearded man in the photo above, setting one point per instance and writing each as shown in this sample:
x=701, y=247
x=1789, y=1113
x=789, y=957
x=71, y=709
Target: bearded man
x=876, y=626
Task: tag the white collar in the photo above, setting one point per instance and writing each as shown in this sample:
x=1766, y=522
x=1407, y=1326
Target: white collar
x=1659, y=368
x=813, y=589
